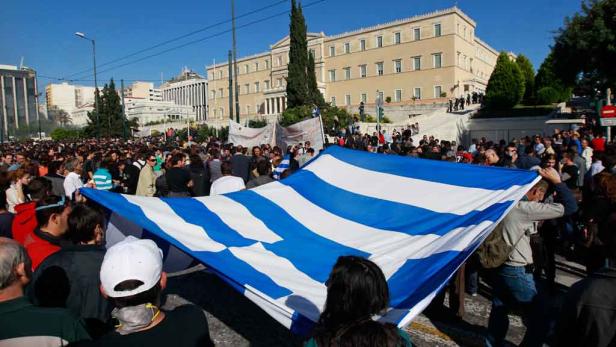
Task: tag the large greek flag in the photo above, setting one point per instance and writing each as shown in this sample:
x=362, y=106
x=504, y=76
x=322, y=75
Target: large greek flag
x=417, y=219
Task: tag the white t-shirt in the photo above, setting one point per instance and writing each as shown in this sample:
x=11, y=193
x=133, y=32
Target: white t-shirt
x=227, y=184
x=72, y=182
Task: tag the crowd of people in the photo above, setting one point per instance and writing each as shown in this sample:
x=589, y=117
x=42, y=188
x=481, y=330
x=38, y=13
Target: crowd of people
x=55, y=268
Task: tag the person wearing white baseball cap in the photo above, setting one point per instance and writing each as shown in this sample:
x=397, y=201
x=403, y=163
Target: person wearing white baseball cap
x=132, y=278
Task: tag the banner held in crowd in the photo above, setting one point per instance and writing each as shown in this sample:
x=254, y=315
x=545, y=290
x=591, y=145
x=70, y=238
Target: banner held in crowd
x=417, y=219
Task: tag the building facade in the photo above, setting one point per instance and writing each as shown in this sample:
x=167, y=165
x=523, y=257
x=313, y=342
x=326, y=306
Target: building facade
x=150, y=111
x=75, y=100
x=18, y=98
x=143, y=90
x=188, y=89
x=421, y=59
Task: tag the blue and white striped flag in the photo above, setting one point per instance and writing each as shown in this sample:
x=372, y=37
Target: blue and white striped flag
x=284, y=164
x=417, y=219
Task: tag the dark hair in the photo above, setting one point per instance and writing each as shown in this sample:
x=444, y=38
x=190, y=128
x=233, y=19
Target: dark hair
x=176, y=158
x=39, y=188
x=3, y=202
x=225, y=168
x=151, y=295
x=81, y=223
x=43, y=215
x=263, y=167
x=196, y=162
x=356, y=290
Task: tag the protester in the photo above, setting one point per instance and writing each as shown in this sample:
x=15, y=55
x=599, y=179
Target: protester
x=131, y=277
x=356, y=291
x=147, y=178
x=240, y=164
x=15, y=193
x=6, y=218
x=52, y=220
x=21, y=323
x=178, y=178
x=25, y=221
x=72, y=181
x=264, y=170
x=102, y=177
x=512, y=282
x=227, y=183
x=80, y=262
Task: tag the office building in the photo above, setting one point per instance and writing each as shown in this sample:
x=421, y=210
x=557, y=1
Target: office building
x=18, y=98
x=188, y=89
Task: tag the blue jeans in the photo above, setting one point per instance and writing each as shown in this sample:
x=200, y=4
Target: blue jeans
x=513, y=288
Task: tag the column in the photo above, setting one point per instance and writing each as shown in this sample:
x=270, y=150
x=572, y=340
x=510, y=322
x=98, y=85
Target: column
x=2, y=94
x=26, y=101
x=15, y=103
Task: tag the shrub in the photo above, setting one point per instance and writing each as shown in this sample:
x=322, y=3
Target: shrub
x=506, y=85
x=547, y=96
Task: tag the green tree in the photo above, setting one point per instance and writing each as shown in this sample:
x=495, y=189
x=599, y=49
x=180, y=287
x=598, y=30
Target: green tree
x=111, y=118
x=547, y=78
x=297, y=88
x=586, y=45
x=314, y=94
x=528, y=72
x=506, y=85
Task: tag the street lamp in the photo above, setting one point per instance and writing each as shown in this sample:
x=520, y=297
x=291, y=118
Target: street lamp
x=98, y=126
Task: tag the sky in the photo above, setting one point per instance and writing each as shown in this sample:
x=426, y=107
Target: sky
x=42, y=32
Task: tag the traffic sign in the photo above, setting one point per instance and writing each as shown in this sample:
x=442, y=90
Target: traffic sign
x=608, y=111
x=608, y=122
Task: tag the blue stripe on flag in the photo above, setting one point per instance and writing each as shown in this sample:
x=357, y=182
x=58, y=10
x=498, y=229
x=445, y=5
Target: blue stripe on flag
x=309, y=252
x=369, y=211
x=466, y=175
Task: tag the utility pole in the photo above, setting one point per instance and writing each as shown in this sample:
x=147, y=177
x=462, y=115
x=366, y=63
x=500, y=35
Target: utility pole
x=237, y=84
x=231, y=85
x=123, y=111
x=96, y=101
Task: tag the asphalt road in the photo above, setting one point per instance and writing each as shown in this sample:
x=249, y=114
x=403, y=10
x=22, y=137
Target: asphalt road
x=236, y=321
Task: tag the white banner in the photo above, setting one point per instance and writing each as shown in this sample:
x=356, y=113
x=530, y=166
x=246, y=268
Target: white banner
x=249, y=137
x=308, y=130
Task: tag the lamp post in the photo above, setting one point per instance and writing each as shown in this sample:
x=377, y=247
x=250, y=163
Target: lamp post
x=98, y=126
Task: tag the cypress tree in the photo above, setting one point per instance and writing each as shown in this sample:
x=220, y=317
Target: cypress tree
x=529, y=77
x=506, y=85
x=297, y=89
x=314, y=94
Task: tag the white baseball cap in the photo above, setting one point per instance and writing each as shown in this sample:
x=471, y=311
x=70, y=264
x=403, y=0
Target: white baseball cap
x=131, y=259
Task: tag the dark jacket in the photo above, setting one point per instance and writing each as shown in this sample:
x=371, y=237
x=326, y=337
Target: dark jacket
x=589, y=312
x=82, y=265
x=201, y=180
x=240, y=166
x=57, y=183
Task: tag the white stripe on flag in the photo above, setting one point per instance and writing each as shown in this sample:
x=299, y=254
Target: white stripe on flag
x=409, y=191
x=283, y=273
x=239, y=218
x=190, y=235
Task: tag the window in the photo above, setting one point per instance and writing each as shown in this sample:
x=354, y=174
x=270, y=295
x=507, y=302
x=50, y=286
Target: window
x=219, y=74
x=279, y=82
x=417, y=63
x=347, y=73
x=246, y=68
x=363, y=71
x=437, y=30
x=397, y=66
x=332, y=75
x=333, y=101
x=246, y=88
x=379, y=41
x=213, y=94
x=257, y=66
x=257, y=89
x=312, y=52
x=220, y=93
x=417, y=34
x=417, y=93
x=267, y=84
x=364, y=98
x=278, y=61
x=438, y=60
x=332, y=51
x=347, y=47
x=398, y=95
x=362, y=44
x=267, y=64
x=397, y=38
x=347, y=100
x=379, y=69
x=438, y=90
